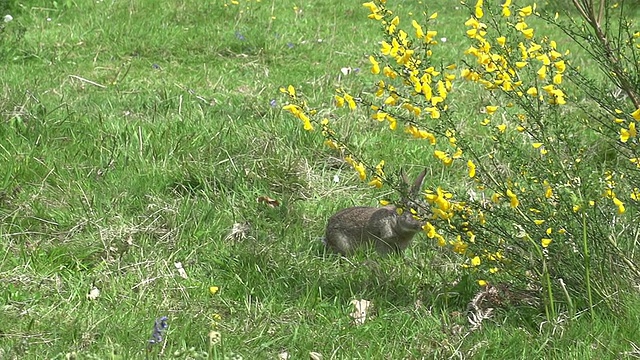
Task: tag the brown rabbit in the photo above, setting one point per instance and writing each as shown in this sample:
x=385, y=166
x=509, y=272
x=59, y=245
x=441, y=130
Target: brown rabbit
x=381, y=228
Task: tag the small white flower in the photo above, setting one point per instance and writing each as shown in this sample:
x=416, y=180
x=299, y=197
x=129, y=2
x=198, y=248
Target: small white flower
x=336, y=178
x=8, y=18
x=48, y=19
x=93, y=294
x=444, y=39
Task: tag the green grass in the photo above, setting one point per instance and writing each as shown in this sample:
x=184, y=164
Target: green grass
x=110, y=185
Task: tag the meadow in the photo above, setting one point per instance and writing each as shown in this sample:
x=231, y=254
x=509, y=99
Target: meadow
x=147, y=170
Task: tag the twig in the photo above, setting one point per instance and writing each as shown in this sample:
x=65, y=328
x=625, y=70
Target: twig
x=88, y=81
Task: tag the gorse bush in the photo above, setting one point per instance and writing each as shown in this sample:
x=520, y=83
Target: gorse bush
x=545, y=174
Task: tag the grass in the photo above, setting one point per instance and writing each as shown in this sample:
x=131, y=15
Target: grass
x=108, y=184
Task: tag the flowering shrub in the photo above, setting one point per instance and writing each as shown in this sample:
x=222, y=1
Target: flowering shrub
x=549, y=196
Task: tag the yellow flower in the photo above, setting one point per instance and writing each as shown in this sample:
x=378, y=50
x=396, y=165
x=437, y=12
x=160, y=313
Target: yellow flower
x=376, y=182
x=459, y=246
x=502, y=128
x=472, y=168
x=392, y=26
x=443, y=156
x=290, y=90
x=475, y=261
x=385, y=48
x=375, y=69
x=506, y=12
x=478, y=9
x=625, y=134
x=525, y=11
x=299, y=113
x=294, y=109
x=380, y=115
x=501, y=40
x=393, y=124
x=306, y=123
x=538, y=222
x=545, y=242
x=636, y=114
x=213, y=289
x=332, y=144
x=391, y=100
x=380, y=168
x=433, y=112
x=513, y=199
x=349, y=99
x=620, y=205
x=557, y=78
x=361, y=171
x=558, y=97
x=388, y=72
x=542, y=72
x=419, y=32
x=429, y=229
x=441, y=240
x=482, y=282
x=421, y=134
x=429, y=37
x=375, y=12
x=482, y=218
x=491, y=109
x=339, y=101
x=371, y=6
x=528, y=33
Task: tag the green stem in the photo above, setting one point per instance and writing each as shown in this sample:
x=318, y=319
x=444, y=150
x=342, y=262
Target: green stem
x=547, y=277
x=549, y=308
x=587, y=263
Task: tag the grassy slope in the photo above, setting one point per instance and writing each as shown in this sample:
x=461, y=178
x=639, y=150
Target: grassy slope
x=109, y=187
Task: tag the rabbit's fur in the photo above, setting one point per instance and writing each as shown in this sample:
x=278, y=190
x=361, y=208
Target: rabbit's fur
x=382, y=228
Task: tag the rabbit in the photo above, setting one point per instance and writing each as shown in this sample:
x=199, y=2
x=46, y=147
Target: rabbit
x=381, y=228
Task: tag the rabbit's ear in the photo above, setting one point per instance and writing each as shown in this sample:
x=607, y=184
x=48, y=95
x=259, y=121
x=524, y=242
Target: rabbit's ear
x=417, y=184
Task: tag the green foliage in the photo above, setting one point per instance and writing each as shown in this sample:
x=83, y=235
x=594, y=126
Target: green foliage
x=535, y=208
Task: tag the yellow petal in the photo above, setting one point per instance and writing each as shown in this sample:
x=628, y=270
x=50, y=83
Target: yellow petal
x=472, y=168
x=475, y=261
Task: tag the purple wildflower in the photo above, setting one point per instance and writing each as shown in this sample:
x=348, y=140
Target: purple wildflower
x=159, y=327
